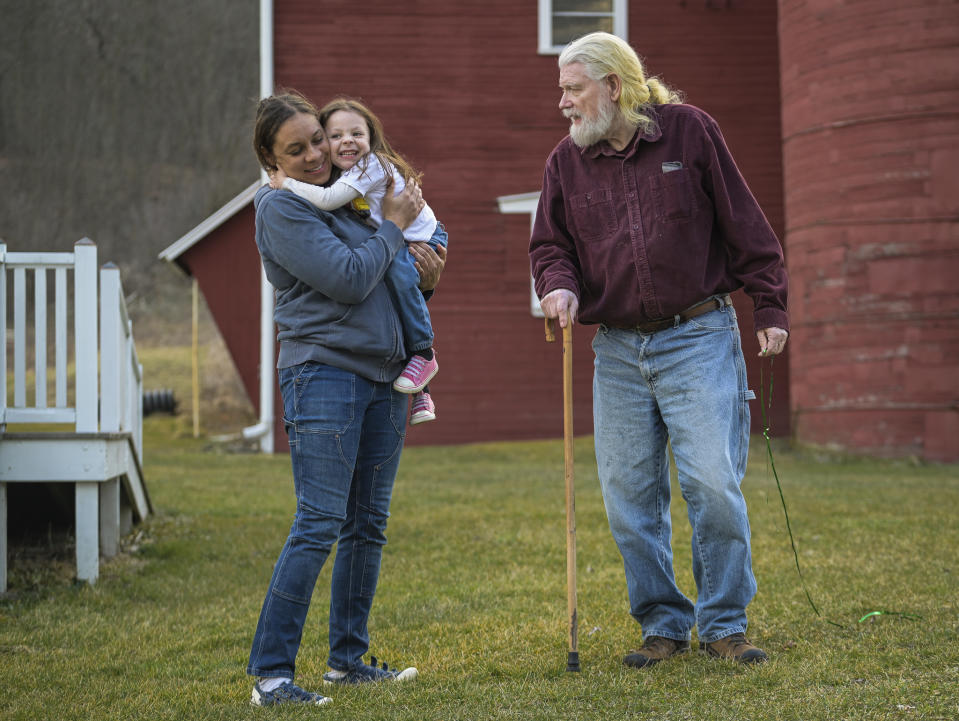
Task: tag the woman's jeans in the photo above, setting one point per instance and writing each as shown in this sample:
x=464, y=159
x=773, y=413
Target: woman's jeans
x=684, y=386
x=346, y=435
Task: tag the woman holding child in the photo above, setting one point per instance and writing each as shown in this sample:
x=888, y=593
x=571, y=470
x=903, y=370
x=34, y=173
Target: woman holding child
x=341, y=349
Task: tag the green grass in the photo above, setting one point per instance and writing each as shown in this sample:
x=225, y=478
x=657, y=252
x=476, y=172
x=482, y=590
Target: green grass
x=473, y=593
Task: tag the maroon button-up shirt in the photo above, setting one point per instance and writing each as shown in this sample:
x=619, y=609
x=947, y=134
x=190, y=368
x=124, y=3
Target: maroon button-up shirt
x=649, y=231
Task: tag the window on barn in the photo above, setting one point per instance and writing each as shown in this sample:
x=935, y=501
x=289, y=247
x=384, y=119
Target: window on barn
x=524, y=203
x=562, y=21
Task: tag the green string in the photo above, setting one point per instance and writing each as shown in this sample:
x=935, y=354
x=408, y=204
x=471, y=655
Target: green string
x=792, y=542
x=782, y=498
x=910, y=616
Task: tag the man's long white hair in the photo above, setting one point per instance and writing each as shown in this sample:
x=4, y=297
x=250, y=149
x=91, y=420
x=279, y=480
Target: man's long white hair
x=603, y=54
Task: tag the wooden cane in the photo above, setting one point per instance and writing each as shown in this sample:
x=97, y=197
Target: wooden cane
x=572, y=658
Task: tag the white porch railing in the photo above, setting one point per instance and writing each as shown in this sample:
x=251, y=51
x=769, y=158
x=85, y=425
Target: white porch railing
x=97, y=441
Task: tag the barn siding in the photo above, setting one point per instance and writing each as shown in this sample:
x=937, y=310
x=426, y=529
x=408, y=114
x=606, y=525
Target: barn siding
x=871, y=143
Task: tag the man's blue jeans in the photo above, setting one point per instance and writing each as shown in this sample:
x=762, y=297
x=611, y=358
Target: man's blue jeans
x=346, y=435
x=685, y=386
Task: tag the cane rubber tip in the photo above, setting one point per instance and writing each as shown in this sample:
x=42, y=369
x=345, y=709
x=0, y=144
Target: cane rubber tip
x=572, y=661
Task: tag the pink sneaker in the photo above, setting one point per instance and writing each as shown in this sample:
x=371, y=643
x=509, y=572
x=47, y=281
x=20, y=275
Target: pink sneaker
x=416, y=375
x=423, y=409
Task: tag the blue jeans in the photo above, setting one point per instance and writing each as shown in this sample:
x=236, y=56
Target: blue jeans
x=685, y=386
x=404, y=284
x=346, y=435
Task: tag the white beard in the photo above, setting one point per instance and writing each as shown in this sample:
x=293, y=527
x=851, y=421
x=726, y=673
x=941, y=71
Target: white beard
x=590, y=131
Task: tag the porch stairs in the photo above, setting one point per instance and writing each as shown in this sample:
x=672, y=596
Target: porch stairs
x=86, y=428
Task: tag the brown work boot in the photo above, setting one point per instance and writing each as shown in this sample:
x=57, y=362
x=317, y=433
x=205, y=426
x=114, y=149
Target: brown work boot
x=735, y=647
x=654, y=650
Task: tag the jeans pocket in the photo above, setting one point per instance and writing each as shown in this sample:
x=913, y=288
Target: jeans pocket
x=601, y=332
x=324, y=399
x=721, y=319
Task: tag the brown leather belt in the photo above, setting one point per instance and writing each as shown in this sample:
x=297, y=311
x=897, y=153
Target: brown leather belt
x=706, y=306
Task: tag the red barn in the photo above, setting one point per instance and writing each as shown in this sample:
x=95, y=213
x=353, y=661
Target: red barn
x=468, y=92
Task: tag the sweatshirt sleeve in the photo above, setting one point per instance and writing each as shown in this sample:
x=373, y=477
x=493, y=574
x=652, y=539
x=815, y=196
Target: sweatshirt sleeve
x=336, y=196
x=300, y=243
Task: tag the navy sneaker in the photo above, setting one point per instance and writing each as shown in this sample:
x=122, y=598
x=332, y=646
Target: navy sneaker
x=370, y=674
x=286, y=693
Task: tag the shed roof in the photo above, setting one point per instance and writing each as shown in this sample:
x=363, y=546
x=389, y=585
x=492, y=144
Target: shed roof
x=234, y=206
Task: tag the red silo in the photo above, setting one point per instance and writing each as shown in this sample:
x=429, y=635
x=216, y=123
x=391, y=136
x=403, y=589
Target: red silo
x=870, y=116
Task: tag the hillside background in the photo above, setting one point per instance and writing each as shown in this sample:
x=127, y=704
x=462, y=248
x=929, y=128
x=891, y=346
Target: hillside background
x=128, y=122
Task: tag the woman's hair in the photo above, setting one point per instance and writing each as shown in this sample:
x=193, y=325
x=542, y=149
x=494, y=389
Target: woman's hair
x=271, y=113
x=604, y=54
x=379, y=145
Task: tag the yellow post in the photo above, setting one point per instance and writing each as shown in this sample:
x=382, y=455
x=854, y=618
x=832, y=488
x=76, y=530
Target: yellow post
x=196, y=359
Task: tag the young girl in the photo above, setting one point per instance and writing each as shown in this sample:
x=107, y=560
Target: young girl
x=359, y=148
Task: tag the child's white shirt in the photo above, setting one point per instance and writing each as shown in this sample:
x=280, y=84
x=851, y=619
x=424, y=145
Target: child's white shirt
x=366, y=179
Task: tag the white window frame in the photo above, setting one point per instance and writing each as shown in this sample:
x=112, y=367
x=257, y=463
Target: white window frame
x=546, y=44
x=524, y=203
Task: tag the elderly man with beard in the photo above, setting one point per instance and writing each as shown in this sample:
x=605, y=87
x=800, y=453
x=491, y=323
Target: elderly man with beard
x=644, y=228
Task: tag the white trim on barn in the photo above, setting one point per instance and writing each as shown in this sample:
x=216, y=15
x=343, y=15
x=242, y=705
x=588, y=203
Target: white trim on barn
x=524, y=203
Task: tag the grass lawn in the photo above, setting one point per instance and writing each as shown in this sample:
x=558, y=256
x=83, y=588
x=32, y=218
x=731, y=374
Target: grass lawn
x=472, y=592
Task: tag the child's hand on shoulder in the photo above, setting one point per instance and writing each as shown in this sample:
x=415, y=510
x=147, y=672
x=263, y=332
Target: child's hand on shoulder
x=276, y=179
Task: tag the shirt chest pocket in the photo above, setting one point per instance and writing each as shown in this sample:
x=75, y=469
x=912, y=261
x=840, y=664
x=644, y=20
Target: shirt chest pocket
x=673, y=195
x=593, y=214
